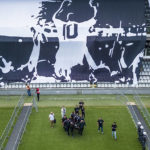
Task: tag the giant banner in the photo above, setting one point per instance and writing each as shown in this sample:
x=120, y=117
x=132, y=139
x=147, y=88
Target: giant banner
x=71, y=40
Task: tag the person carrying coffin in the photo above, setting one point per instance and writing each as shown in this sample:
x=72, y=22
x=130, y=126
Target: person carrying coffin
x=72, y=115
x=67, y=126
x=81, y=126
x=72, y=127
x=63, y=120
x=76, y=109
x=83, y=112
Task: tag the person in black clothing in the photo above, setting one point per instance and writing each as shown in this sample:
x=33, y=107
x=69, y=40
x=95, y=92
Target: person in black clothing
x=81, y=126
x=100, y=122
x=114, y=126
x=144, y=141
x=71, y=127
x=76, y=109
x=81, y=105
x=77, y=120
x=139, y=129
x=83, y=112
x=81, y=118
x=72, y=115
x=141, y=134
x=63, y=119
x=67, y=126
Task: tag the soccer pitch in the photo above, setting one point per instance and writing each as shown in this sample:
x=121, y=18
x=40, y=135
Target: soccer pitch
x=39, y=135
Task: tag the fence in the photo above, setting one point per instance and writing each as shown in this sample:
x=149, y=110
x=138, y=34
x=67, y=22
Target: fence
x=142, y=108
x=11, y=121
x=26, y=120
x=124, y=99
x=21, y=85
x=34, y=103
x=23, y=128
x=145, y=113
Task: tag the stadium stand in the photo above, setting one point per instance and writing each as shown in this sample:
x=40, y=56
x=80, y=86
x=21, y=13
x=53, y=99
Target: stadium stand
x=144, y=80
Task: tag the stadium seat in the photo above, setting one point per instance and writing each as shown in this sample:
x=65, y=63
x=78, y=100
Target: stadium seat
x=88, y=85
x=98, y=85
x=65, y=85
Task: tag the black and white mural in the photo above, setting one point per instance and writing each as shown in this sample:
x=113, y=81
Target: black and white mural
x=71, y=40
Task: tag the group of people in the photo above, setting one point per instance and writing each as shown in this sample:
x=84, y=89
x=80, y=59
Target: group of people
x=29, y=91
x=141, y=135
x=75, y=121
x=79, y=108
x=100, y=122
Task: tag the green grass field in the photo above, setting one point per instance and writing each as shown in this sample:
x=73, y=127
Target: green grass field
x=5, y=114
x=39, y=135
x=7, y=105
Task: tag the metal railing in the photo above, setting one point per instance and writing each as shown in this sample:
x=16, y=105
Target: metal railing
x=143, y=109
x=6, y=131
x=62, y=85
x=145, y=113
x=124, y=99
x=22, y=129
x=34, y=104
